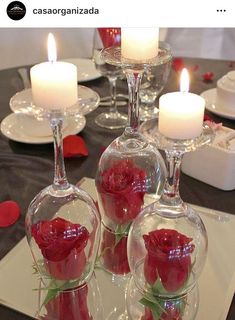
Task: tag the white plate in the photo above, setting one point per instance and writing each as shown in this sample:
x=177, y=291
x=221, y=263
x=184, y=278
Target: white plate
x=212, y=106
x=21, y=128
x=86, y=69
x=88, y=101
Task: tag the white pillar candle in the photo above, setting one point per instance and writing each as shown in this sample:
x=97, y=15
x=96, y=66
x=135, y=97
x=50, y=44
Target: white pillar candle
x=139, y=43
x=54, y=84
x=181, y=113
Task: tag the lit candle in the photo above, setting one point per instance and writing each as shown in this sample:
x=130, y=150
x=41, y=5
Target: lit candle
x=54, y=84
x=139, y=43
x=181, y=113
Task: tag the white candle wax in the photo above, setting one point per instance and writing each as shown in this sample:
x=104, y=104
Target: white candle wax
x=181, y=115
x=139, y=43
x=54, y=85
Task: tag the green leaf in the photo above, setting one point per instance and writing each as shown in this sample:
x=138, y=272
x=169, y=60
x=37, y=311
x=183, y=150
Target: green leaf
x=121, y=231
x=55, y=286
x=158, y=287
x=152, y=306
x=51, y=294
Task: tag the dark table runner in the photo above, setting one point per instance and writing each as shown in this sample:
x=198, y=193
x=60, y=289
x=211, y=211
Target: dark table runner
x=25, y=169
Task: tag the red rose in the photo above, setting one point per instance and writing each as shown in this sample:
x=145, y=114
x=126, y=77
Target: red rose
x=69, y=305
x=114, y=255
x=62, y=245
x=110, y=36
x=121, y=189
x=169, y=257
x=170, y=313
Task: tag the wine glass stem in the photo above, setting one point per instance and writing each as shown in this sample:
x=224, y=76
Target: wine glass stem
x=60, y=179
x=171, y=189
x=112, y=86
x=133, y=80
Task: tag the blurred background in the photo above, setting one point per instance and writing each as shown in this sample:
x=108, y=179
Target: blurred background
x=29, y=45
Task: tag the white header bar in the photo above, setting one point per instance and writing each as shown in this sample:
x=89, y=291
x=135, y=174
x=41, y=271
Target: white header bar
x=121, y=13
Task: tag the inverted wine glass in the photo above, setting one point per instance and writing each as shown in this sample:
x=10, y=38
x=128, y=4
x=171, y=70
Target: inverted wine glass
x=103, y=38
x=167, y=243
x=62, y=222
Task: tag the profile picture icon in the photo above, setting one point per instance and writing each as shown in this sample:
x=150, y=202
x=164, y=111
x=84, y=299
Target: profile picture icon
x=16, y=10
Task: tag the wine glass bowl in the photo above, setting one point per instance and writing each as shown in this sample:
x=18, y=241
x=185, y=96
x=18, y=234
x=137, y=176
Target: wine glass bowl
x=167, y=249
x=62, y=231
x=167, y=244
x=62, y=226
x=103, y=38
x=129, y=171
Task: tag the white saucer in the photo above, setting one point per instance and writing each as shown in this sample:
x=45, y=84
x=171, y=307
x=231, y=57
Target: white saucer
x=88, y=101
x=23, y=128
x=86, y=69
x=212, y=106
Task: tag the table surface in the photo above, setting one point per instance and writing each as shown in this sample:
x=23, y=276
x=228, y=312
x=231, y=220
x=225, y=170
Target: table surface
x=26, y=169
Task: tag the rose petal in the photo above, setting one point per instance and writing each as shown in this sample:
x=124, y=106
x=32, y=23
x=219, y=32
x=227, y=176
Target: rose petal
x=121, y=190
x=169, y=257
x=208, y=76
x=178, y=64
x=211, y=123
x=114, y=254
x=74, y=146
x=207, y=118
x=9, y=213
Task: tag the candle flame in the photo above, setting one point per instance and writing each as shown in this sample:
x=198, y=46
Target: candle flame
x=51, y=45
x=184, y=80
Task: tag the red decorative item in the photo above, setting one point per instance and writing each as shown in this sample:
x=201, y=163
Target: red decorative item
x=9, y=213
x=178, y=64
x=208, y=76
x=74, y=146
x=109, y=36
x=211, y=123
x=195, y=68
x=170, y=313
x=168, y=257
x=207, y=118
x=62, y=244
x=121, y=191
x=114, y=253
x=69, y=305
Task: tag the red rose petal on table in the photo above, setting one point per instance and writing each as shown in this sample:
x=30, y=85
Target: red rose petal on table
x=208, y=76
x=74, y=146
x=178, y=64
x=9, y=213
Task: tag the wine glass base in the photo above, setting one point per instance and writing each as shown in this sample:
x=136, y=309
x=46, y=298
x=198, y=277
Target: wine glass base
x=148, y=113
x=111, y=120
x=150, y=131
